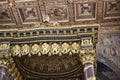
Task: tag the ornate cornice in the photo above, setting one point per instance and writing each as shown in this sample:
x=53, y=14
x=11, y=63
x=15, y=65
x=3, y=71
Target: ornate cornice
x=69, y=33
x=65, y=30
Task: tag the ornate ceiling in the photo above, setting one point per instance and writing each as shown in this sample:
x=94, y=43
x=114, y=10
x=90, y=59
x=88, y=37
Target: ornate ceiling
x=25, y=13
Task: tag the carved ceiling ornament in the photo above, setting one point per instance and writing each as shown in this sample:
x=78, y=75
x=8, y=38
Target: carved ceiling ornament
x=46, y=18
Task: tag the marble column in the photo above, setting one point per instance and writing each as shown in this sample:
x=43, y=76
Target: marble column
x=89, y=71
x=3, y=71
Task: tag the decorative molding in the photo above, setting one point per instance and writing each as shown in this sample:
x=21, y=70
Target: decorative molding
x=46, y=49
x=40, y=31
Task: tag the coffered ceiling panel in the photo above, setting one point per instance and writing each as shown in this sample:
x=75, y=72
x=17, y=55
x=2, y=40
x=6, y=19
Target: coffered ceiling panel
x=6, y=16
x=111, y=9
x=57, y=10
x=28, y=14
x=85, y=11
x=58, y=13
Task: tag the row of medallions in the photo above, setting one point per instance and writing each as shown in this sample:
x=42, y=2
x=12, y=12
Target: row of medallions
x=45, y=49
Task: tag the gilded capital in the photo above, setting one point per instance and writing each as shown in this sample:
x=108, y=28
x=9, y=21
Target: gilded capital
x=87, y=56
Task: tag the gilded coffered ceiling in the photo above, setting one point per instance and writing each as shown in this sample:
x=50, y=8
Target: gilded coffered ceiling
x=25, y=13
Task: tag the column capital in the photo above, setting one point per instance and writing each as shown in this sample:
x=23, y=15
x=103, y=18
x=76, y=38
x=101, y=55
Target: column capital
x=87, y=56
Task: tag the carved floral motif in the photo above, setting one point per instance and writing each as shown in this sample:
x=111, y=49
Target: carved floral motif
x=46, y=49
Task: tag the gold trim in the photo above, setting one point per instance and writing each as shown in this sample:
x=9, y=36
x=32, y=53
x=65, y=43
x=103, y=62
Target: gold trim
x=87, y=67
x=92, y=78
